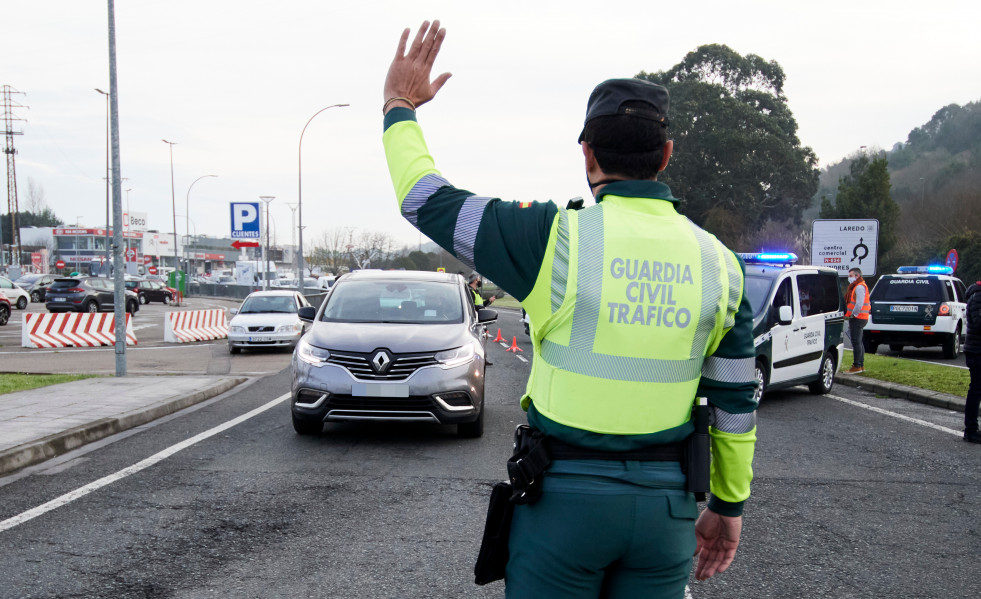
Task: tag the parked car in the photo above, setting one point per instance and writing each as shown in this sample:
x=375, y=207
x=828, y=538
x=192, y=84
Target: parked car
x=404, y=346
x=151, y=291
x=86, y=294
x=36, y=285
x=5, y=309
x=267, y=319
x=17, y=296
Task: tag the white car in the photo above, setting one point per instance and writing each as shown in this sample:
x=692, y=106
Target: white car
x=17, y=296
x=267, y=319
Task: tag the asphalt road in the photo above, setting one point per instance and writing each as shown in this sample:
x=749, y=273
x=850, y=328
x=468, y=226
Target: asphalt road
x=848, y=502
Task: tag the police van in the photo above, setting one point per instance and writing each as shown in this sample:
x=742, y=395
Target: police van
x=922, y=306
x=798, y=322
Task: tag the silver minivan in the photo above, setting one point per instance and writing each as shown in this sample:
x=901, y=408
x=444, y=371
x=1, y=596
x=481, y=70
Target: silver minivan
x=392, y=345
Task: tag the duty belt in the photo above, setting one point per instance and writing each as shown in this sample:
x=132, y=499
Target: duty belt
x=670, y=452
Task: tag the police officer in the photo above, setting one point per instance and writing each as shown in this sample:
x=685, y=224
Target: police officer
x=972, y=355
x=857, y=313
x=636, y=311
x=474, y=282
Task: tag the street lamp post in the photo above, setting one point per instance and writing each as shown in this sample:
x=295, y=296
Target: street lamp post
x=187, y=217
x=106, y=265
x=299, y=195
x=173, y=210
x=265, y=256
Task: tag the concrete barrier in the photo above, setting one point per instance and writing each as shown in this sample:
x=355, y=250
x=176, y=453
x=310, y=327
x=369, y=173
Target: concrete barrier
x=195, y=325
x=73, y=329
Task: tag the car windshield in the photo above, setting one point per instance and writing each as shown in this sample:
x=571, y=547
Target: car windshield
x=394, y=301
x=757, y=290
x=27, y=279
x=911, y=289
x=257, y=304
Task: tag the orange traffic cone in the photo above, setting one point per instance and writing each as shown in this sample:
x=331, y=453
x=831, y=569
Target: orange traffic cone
x=499, y=338
x=514, y=346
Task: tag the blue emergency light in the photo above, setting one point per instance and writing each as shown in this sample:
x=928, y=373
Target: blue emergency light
x=925, y=270
x=770, y=258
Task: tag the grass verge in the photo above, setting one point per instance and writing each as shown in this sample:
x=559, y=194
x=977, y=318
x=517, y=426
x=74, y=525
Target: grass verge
x=934, y=377
x=505, y=302
x=22, y=382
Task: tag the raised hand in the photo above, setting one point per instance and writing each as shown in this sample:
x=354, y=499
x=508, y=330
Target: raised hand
x=409, y=74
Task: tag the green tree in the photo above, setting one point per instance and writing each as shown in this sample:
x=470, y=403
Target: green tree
x=737, y=160
x=45, y=217
x=865, y=193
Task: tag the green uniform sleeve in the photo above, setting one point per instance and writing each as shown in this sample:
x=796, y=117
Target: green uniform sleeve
x=729, y=382
x=504, y=241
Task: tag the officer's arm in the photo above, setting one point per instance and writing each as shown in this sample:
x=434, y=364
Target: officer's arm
x=729, y=382
x=504, y=241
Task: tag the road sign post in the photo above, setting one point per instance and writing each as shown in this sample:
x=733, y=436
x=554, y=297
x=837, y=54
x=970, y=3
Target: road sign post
x=845, y=244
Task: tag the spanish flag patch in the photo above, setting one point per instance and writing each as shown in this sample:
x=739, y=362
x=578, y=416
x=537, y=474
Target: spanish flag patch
x=524, y=204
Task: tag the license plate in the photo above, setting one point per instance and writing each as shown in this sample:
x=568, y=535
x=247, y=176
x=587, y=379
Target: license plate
x=380, y=389
x=60, y=299
x=259, y=339
x=904, y=308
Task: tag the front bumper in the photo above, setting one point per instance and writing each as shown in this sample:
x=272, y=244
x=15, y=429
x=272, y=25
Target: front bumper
x=431, y=394
x=255, y=340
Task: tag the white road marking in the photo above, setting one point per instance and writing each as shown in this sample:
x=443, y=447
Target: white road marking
x=521, y=358
x=150, y=461
x=895, y=415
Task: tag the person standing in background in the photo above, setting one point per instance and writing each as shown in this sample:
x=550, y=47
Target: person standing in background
x=972, y=354
x=857, y=313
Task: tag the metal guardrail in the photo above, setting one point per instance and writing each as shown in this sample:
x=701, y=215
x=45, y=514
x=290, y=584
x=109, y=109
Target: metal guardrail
x=242, y=291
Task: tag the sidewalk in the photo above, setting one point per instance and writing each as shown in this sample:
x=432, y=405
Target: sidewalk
x=933, y=398
x=40, y=424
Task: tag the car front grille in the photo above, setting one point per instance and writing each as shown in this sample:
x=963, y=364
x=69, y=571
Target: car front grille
x=261, y=329
x=380, y=404
x=402, y=367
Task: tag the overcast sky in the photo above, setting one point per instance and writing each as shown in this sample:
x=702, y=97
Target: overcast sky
x=233, y=83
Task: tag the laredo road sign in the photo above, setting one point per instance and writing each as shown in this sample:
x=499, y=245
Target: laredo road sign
x=845, y=244
x=245, y=220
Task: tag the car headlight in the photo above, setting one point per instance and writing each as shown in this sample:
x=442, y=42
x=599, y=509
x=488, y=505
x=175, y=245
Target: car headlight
x=288, y=328
x=311, y=354
x=456, y=356
x=236, y=329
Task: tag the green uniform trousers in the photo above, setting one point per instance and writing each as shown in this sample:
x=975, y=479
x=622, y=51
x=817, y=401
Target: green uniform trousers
x=594, y=537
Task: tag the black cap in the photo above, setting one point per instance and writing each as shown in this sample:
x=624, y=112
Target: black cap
x=609, y=97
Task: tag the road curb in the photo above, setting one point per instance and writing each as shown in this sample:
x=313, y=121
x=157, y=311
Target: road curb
x=60, y=443
x=933, y=398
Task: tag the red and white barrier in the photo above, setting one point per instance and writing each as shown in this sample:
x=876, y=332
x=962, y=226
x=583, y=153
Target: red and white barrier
x=73, y=329
x=195, y=325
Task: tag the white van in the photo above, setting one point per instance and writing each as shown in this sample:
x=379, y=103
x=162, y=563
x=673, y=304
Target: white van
x=326, y=282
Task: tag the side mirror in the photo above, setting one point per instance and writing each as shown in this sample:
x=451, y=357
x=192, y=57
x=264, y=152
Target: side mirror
x=785, y=314
x=233, y=311
x=485, y=315
x=307, y=313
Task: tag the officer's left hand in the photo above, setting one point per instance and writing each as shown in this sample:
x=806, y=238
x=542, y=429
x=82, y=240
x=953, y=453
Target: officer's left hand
x=716, y=538
x=409, y=74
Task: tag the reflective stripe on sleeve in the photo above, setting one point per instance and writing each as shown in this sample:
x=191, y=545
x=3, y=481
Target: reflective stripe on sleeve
x=418, y=195
x=465, y=232
x=729, y=370
x=560, y=265
x=735, y=424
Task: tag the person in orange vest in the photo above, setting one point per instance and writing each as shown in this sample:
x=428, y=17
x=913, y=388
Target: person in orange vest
x=857, y=314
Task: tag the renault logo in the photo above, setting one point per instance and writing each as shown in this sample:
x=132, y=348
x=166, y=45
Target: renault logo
x=381, y=361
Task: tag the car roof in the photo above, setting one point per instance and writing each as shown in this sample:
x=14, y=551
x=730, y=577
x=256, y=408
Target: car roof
x=767, y=270
x=402, y=275
x=272, y=292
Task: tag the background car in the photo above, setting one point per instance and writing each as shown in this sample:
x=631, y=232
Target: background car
x=17, y=296
x=921, y=306
x=267, y=319
x=86, y=294
x=150, y=291
x=36, y=285
x=5, y=309
x=404, y=346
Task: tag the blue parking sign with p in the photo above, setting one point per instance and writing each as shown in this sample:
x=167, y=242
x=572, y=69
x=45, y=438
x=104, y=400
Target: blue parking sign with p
x=245, y=220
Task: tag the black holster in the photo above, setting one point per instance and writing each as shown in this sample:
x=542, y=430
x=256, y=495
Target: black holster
x=698, y=454
x=528, y=464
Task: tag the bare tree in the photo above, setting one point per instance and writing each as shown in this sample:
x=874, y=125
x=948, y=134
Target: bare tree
x=34, y=202
x=365, y=247
x=329, y=250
